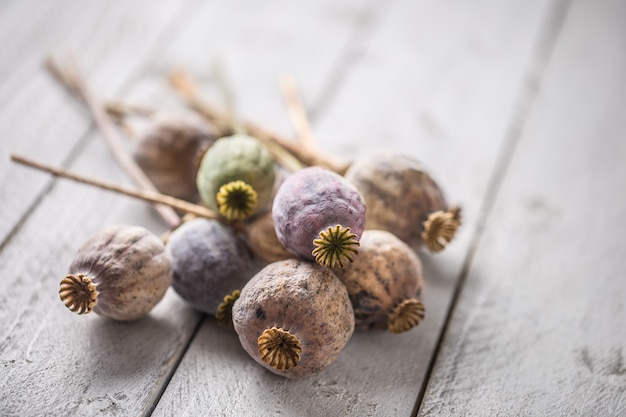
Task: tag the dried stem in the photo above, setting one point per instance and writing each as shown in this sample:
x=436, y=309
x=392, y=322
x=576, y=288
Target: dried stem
x=229, y=98
x=146, y=195
x=120, y=109
x=297, y=113
x=73, y=79
x=186, y=86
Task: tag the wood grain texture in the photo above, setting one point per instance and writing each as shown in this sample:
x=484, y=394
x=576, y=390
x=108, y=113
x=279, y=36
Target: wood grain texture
x=539, y=329
x=38, y=118
x=44, y=347
x=388, y=59
x=54, y=362
x=254, y=42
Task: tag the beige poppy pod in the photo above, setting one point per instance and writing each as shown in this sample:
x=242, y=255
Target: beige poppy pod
x=404, y=199
x=385, y=284
x=121, y=272
x=169, y=150
x=293, y=318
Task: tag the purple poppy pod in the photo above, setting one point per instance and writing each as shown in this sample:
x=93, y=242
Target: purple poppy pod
x=318, y=215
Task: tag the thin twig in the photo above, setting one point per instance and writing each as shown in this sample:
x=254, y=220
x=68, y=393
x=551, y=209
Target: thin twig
x=296, y=112
x=186, y=87
x=146, y=195
x=228, y=96
x=120, y=109
x=72, y=77
x=184, y=84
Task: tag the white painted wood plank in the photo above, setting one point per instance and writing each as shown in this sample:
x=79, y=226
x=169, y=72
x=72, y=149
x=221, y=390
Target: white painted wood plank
x=440, y=82
x=256, y=41
x=129, y=364
x=486, y=51
x=54, y=362
x=539, y=328
x=37, y=116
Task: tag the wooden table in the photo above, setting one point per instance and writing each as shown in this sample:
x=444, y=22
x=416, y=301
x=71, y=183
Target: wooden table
x=517, y=107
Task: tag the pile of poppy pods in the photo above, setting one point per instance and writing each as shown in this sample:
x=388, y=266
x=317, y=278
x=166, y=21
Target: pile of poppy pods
x=295, y=260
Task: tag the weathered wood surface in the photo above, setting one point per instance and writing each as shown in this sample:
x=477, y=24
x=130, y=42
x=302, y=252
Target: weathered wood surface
x=539, y=328
x=36, y=116
x=468, y=87
x=447, y=82
x=53, y=362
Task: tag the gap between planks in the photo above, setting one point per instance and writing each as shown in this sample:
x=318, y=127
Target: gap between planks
x=134, y=74
x=547, y=39
x=183, y=13
x=172, y=369
x=371, y=15
x=71, y=157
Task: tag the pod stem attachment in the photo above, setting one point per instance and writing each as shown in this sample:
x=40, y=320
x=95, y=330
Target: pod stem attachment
x=78, y=293
x=334, y=246
x=224, y=313
x=279, y=348
x=406, y=315
x=440, y=228
x=236, y=200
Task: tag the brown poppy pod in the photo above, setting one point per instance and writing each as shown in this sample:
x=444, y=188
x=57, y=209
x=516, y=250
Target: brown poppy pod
x=385, y=284
x=403, y=198
x=121, y=272
x=293, y=318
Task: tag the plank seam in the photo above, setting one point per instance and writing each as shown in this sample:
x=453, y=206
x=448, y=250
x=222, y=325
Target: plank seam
x=530, y=87
x=75, y=151
x=163, y=384
x=71, y=157
x=165, y=38
x=369, y=17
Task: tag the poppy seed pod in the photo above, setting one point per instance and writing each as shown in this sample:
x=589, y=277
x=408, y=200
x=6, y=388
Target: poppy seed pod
x=319, y=216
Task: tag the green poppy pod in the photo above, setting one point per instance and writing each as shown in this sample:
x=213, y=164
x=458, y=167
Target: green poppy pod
x=236, y=177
